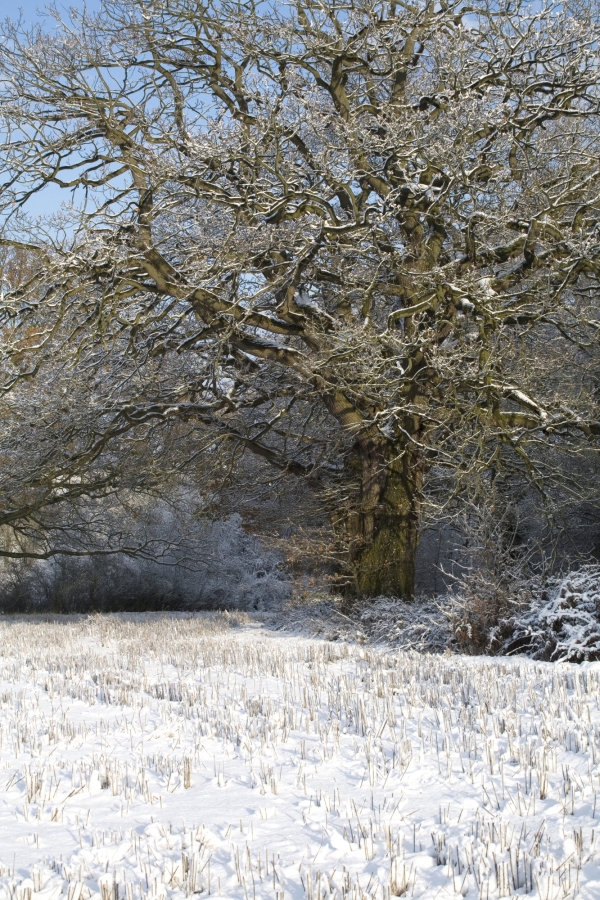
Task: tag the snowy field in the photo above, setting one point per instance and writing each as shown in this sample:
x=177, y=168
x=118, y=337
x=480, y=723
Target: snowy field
x=162, y=756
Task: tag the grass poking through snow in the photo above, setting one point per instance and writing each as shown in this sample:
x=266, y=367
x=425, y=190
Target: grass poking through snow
x=156, y=756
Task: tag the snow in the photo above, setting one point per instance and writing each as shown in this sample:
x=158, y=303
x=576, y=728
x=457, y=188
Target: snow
x=155, y=756
x=563, y=624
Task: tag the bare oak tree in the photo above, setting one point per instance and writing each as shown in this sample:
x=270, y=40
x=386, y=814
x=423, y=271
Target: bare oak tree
x=353, y=238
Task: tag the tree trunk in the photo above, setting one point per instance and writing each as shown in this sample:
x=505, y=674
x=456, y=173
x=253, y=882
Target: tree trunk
x=385, y=533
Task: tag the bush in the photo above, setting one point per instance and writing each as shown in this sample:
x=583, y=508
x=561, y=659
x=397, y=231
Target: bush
x=420, y=625
x=481, y=601
x=223, y=567
x=562, y=623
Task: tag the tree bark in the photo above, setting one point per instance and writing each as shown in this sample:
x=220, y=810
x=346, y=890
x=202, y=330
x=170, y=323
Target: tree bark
x=384, y=535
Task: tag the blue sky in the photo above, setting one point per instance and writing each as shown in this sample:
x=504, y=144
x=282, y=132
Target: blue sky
x=30, y=8
x=48, y=200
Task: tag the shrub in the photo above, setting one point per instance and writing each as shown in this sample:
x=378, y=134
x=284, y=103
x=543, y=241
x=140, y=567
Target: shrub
x=219, y=566
x=561, y=623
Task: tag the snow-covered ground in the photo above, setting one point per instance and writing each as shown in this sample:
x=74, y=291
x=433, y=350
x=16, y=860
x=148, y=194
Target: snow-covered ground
x=160, y=756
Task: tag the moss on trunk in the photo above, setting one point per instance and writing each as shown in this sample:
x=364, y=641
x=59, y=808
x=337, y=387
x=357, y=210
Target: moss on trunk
x=386, y=531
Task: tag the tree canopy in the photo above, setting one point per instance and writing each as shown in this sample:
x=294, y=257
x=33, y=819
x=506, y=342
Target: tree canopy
x=357, y=239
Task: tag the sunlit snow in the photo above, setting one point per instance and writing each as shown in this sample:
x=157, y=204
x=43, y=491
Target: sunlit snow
x=160, y=756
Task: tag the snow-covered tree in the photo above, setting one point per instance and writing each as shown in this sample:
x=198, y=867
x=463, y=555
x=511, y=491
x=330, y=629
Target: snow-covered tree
x=358, y=239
